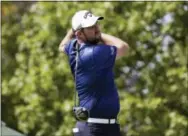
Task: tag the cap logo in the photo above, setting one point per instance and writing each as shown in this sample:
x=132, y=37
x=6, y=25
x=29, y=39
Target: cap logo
x=88, y=14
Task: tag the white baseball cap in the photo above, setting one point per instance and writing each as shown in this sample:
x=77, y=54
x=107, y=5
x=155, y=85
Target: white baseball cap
x=83, y=19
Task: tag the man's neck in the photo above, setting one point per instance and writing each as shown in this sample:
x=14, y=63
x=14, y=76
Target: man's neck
x=80, y=41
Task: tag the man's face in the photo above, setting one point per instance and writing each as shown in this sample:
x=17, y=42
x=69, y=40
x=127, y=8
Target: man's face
x=92, y=34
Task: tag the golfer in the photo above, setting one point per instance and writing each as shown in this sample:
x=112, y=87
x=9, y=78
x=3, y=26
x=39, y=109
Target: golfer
x=95, y=85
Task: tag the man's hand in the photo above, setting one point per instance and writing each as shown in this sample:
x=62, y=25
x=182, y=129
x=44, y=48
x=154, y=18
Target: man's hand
x=70, y=33
x=67, y=38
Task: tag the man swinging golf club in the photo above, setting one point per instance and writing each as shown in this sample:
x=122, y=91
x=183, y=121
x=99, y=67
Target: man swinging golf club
x=92, y=55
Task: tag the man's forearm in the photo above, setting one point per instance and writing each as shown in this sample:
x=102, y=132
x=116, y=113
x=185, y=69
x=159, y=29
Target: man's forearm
x=112, y=40
x=66, y=39
x=122, y=46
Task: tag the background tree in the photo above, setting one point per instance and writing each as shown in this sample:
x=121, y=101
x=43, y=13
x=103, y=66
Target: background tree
x=37, y=85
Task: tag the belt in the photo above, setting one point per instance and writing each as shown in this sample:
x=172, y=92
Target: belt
x=101, y=121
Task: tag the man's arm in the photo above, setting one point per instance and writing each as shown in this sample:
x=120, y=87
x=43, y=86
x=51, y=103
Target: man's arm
x=65, y=41
x=122, y=47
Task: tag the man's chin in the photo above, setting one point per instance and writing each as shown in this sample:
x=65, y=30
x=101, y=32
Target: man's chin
x=96, y=41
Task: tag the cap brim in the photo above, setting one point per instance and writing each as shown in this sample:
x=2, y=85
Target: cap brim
x=92, y=22
x=100, y=18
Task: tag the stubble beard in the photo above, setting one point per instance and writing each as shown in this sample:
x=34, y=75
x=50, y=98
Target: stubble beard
x=95, y=40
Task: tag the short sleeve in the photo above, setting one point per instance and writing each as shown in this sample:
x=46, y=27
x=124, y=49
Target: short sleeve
x=104, y=56
x=67, y=47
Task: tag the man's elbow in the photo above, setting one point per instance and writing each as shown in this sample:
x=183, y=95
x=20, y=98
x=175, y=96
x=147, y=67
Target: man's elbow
x=122, y=51
x=61, y=48
x=126, y=48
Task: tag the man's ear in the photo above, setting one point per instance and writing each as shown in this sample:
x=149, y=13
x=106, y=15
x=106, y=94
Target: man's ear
x=78, y=34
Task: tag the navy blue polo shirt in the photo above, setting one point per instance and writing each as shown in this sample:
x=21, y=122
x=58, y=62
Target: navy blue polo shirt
x=94, y=79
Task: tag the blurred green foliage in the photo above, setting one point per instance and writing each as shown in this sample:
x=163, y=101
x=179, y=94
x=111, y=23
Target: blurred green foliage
x=37, y=85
